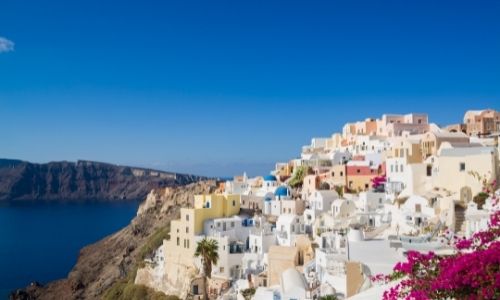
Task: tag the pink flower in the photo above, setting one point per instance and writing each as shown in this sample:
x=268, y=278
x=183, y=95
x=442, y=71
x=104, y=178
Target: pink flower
x=472, y=273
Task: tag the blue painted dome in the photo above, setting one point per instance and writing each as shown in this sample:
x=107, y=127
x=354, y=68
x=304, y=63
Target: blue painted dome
x=282, y=191
x=270, y=178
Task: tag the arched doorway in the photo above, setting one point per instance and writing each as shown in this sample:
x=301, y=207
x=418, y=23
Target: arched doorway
x=465, y=194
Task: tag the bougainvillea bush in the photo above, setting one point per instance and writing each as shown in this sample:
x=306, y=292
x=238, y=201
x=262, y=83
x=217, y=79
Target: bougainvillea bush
x=472, y=273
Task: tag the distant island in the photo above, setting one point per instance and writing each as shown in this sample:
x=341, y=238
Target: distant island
x=82, y=181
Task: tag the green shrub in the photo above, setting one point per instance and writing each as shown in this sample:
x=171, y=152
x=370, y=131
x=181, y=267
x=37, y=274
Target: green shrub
x=124, y=290
x=340, y=190
x=248, y=293
x=329, y=297
x=153, y=243
x=480, y=199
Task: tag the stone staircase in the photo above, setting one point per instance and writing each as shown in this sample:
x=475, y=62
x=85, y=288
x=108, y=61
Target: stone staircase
x=459, y=221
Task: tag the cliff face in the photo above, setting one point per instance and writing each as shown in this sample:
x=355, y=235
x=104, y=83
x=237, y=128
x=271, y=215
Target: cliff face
x=83, y=180
x=116, y=257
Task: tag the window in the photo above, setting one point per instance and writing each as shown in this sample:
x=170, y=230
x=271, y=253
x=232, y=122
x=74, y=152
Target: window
x=333, y=174
x=401, y=168
x=187, y=217
x=341, y=173
x=178, y=241
x=358, y=171
x=462, y=167
x=392, y=168
x=232, y=224
x=187, y=229
x=221, y=269
x=234, y=203
x=187, y=244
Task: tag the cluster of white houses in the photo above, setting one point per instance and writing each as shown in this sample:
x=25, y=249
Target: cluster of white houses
x=379, y=188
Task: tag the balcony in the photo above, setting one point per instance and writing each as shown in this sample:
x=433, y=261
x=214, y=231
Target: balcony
x=237, y=248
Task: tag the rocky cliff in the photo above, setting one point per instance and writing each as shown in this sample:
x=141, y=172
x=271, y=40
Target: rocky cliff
x=83, y=180
x=103, y=266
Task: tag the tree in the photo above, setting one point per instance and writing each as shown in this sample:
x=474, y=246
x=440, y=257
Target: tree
x=248, y=293
x=207, y=249
x=329, y=297
x=299, y=175
x=340, y=190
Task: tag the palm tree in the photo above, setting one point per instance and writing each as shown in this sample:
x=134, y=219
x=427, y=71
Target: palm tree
x=207, y=250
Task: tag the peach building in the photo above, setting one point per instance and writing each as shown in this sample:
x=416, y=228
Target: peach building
x=482, y=122
x=396, y=125
x=389, y=125
x=366, y=127
x=310, y=185
x=338, y=176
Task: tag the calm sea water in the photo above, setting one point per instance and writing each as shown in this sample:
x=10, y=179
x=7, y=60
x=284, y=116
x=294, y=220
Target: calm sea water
x=41, y=241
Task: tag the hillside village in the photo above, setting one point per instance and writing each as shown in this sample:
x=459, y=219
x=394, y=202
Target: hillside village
x=348, y=208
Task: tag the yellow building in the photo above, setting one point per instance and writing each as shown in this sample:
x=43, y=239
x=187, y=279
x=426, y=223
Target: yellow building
x=183, y=232
x=406, y=149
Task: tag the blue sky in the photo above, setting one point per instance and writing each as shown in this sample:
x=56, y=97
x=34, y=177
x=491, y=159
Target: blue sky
x=220, y=87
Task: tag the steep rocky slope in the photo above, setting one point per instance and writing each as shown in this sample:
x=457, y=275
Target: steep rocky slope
x=116, y=257
x=83, y=180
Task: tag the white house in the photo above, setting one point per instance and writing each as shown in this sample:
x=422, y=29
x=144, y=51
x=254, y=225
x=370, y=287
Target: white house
x=261, y=238
x=476, y=219
x=416, y=210
x=232, y=235
x=456, y=168
x=343, y=209
x=319, y=202
x=283, y=203
x=288, y=227
x=371, y=201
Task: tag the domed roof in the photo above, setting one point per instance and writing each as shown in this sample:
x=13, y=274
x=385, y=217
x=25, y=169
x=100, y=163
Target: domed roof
x=292, y=282
x=270, y=178
x=282, y=191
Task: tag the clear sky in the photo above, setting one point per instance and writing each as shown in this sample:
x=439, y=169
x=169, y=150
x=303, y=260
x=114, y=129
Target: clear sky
x=217, y=88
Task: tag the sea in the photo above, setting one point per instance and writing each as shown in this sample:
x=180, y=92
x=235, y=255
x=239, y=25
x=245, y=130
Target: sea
x=40, y=241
